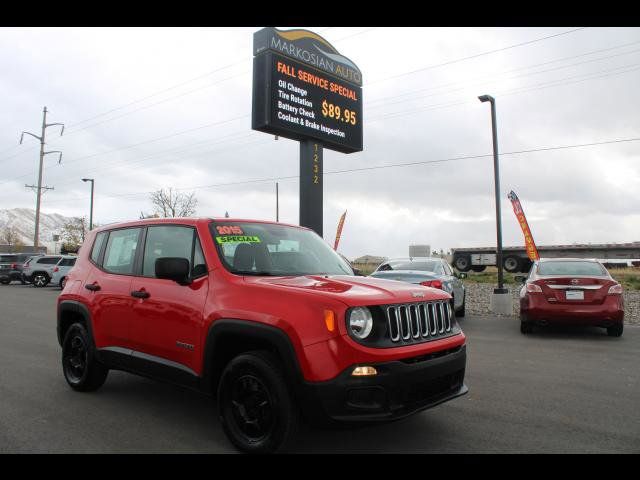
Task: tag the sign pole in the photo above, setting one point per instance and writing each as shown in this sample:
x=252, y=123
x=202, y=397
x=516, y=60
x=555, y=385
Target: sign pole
x=311, y=185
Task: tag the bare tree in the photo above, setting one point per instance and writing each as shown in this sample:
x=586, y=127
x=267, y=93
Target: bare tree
x=170, y=203
x=11, y=237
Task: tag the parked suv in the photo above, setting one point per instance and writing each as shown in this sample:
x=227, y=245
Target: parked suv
x=11, y=266
x=61, y=270
x=38, y=270
x=266, y=316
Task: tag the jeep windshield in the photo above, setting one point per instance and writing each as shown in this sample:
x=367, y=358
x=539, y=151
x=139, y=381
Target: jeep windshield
x=269, y=249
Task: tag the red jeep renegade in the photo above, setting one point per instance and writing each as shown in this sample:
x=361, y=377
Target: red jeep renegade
x=264, y=315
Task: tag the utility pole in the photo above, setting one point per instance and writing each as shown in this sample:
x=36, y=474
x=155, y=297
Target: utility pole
x=40, y=188
x=277, y=205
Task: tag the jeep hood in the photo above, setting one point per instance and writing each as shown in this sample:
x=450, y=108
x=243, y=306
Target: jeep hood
x=353, y=290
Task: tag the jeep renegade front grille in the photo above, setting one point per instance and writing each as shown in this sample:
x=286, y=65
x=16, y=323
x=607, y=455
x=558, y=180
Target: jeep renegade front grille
x=416, y=322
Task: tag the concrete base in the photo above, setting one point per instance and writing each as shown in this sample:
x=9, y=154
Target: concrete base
x=501, y=303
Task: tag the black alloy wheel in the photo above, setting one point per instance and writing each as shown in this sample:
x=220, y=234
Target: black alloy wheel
x=74, y=358
x=252, y=407
x=256, y=409
x=82, y=371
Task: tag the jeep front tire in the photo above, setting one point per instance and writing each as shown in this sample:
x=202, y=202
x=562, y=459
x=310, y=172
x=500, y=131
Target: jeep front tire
x=256, y=409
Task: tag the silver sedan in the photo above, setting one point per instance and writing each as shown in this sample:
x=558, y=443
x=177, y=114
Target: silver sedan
x=432, y=272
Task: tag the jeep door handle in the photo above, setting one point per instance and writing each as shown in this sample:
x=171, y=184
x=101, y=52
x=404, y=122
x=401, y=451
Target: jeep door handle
x=140, y=294
x=94, y=287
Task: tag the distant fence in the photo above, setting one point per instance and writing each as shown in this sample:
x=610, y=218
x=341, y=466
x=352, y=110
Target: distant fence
x=6, y=248
x=609, y=265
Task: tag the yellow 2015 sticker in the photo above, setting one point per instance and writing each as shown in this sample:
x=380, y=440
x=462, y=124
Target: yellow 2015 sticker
x=238, y=239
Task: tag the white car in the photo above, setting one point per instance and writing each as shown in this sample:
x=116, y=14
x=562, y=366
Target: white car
x=61, y=270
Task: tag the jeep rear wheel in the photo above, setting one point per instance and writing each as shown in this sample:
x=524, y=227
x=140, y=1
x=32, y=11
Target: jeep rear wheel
x=40, y=280
x=81, y=369
x=256, y=409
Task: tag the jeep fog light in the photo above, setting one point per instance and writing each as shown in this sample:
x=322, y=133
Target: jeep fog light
x=360, y=322
x=364, y=371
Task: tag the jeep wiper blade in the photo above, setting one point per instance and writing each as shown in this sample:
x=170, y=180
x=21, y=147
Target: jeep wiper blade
x=258, y=273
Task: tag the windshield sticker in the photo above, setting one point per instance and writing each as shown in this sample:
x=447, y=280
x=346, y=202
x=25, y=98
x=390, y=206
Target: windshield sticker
x=229, y=230
x=238, y=239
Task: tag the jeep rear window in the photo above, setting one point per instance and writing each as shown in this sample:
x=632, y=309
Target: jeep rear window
x=276, y=250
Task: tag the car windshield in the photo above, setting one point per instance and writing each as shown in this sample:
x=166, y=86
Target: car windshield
x=426, y=266
x=277, y=250
x=571, y=268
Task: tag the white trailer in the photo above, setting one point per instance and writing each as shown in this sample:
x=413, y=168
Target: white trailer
x=514, y=259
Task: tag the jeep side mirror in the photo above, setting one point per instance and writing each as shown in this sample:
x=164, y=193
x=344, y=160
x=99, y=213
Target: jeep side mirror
x=520, y=278
x=173, y=268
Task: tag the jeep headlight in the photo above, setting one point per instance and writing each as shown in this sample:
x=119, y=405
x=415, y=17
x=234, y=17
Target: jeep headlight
x=360, y=322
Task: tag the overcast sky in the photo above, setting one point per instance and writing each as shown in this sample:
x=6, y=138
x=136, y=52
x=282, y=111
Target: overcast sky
x=150, y=108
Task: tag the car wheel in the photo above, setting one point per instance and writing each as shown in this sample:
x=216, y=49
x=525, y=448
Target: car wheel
x=526, y=327
x=5, y=282
x=460, y=311
x=63, y=282
x=615, y=331
x=462, y=263
x=511, y=264
x=256, y=409
x=81, y=368
x=40, y=280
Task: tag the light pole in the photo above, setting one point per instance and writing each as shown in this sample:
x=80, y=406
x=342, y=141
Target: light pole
x=496, y=172
x=91, y=211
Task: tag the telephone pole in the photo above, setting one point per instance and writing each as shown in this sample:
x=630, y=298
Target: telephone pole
x=40, y=188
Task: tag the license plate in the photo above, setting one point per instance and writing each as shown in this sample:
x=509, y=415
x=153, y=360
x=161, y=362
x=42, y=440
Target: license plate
x=575, y=295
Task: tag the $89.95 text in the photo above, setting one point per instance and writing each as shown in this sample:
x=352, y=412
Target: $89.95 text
x=335, y=112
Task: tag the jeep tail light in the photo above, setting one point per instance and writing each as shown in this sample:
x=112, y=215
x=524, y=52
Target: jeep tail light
x=432, y=283
x=56, y=269
x=615, y=289
x=14, y=266
x=533, y=288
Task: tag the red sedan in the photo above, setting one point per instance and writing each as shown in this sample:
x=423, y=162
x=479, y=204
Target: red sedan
x=571, y=291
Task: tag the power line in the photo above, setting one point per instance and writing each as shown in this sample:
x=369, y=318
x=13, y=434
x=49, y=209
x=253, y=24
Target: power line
x=524, y=89
x=386, y=166
x=492, y=79
x=450, y=62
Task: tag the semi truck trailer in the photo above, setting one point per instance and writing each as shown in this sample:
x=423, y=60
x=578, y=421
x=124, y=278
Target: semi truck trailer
x=515, y=259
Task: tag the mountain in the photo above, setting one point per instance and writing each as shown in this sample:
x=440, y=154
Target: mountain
x=23, y=220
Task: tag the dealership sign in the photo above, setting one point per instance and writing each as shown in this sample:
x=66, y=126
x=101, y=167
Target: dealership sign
x=303, y=89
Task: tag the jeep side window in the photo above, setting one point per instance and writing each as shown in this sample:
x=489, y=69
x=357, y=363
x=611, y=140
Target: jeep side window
x=97, y=246
x=121, y=251
x=172, y=241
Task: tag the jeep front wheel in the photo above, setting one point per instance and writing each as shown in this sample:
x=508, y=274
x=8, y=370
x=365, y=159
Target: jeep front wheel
x=81, y=369
x=255, y=406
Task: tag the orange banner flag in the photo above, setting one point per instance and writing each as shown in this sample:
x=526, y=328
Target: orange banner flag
x=532, y=251
x=339, y=232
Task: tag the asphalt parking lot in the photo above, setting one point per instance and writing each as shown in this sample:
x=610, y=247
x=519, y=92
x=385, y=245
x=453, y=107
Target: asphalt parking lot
x=555, y=391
